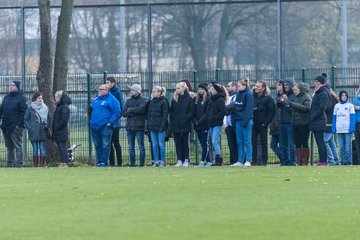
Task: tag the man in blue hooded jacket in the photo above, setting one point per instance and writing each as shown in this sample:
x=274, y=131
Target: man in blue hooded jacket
x=104, y=117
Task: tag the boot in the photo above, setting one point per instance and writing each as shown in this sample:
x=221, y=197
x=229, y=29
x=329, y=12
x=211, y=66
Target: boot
x=299, y=156
x=305, y=156
x=218, y=161
x=35, y=161
x=42, y=161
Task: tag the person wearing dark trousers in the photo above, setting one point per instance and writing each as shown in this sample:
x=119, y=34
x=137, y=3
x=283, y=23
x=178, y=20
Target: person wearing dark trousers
x=300, y=108
x=200, y=123
x=275, y=127
x=60, y=128
x=287, y=144
x=317, y=120
x=181, y=114
x=135, y=112
x=12, y=111
x=230, y=131
x=115, y=139
x=357, y=126
x=264, y=112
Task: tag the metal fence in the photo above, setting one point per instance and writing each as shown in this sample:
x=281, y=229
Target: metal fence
x=189, y=35
x=78, y=90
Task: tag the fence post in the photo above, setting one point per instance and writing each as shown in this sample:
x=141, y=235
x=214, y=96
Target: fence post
x=196, y=139
x=88, y=79
x=105, y=77
x=303, y=74
x=217, y=75
x=333, y=83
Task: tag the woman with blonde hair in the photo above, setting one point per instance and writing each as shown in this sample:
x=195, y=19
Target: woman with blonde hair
x=181, y=113
x=157, y=124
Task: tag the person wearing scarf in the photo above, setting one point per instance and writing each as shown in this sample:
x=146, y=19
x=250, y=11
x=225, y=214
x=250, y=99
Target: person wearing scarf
x=37, y=121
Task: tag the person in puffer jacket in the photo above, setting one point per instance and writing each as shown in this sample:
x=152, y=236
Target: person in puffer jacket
x=300, y=108
x=104, y=117
x=344, y=126
x=157, y=124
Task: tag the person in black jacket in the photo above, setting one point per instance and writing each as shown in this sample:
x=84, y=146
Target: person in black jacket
x=60, y=130
x=317, y=119
x=115, y=141
x=229, y=127
x=287, y=143
x=157, y=116
x=201, y=124
x=264, y=111
x=243, y=118
x=216, y=113
x=329, y=138
x=134, y=111
x=181, y=114
x=12, y=111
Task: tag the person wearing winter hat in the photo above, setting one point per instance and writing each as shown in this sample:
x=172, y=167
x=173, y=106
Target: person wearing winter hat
x=344, y=126
x=134, y=111
x=317, y=119
x=12, y=111
x=287, y=144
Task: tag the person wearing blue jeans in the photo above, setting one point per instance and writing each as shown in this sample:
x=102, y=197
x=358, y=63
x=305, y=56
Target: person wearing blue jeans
x=243, y=117
x=135, y=113
x=139, y=135
x=331, y=150
x=202, y=136
x=105, y=113
x=243, y=140
x=344, y=126
x=216, y=113
x=157, y=123
x=287, y=144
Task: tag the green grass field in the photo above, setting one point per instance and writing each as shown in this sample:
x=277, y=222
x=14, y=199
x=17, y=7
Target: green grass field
x=180, y=203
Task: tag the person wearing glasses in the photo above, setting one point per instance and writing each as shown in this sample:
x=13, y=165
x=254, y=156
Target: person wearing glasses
x=105, y=115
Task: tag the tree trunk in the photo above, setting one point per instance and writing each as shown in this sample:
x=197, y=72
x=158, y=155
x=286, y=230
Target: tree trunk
x=62, y=45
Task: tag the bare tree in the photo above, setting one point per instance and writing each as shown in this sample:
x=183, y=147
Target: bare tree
x=62, y=45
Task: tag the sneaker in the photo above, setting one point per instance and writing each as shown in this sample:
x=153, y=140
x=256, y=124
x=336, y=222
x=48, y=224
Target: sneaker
x=101, y=164
x=247, y=164
x=155, y=164
x=201, y=164
x=237, y=164
x=209, y=164
x=186, y=163
x=179, y=163
x=161, y=164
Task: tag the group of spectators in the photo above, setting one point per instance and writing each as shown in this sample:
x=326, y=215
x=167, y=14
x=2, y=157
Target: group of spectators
x=245, y=111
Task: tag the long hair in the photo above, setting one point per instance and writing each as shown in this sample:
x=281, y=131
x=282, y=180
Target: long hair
x=245, y=82
x=183, y=86
x=204, y=96
x=162, y=90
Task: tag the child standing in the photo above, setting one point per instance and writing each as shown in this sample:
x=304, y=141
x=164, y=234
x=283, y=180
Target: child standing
x=344, y=126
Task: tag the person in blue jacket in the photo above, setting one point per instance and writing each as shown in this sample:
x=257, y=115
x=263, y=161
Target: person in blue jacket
x=115, y=141
x=357, y=125
x=12, y=111
x=243, y=117
x=105, y=115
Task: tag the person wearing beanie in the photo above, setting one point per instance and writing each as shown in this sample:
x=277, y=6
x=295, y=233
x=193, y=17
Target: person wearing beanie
x=317, y=119
x=12, y=111
x=344, y=126
x=201, y=124
x=135, y=113
x=287, y=144
x=357, y=126
x=115, y=140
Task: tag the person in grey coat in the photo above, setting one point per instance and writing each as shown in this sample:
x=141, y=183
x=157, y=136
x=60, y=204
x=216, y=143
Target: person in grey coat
x=37, y=121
